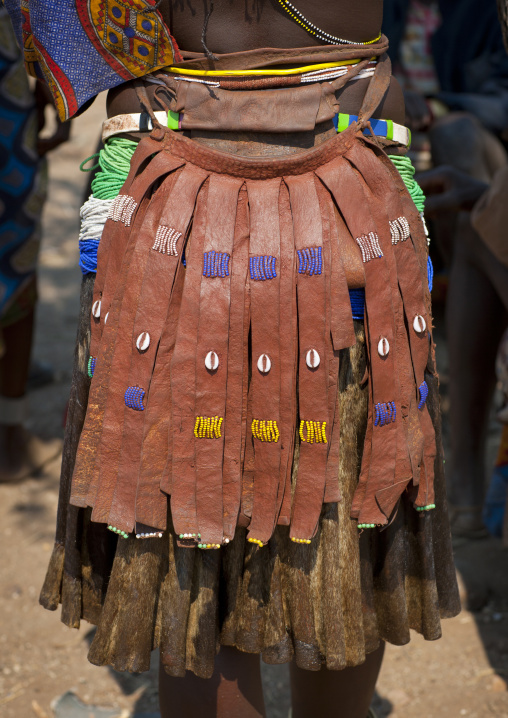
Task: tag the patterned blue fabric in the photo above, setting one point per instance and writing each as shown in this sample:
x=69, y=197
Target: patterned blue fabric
x=22, y=185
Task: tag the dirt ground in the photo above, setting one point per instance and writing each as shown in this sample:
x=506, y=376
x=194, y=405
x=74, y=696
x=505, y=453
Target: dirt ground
x=463, y=674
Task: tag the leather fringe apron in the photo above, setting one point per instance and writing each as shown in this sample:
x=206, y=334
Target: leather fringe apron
x=220, y=308
x=238, y=384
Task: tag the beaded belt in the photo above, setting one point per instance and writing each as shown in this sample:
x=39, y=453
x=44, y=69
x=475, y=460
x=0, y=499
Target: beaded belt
x=141, y=122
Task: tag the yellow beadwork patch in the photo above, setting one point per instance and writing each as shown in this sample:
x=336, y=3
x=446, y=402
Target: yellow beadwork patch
x=265, y=430
x=313, y=432
x=208, y=427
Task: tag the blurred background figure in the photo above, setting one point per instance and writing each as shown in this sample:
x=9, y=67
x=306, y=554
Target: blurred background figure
x=23, y=178
x=476, y=316
x=450, y=59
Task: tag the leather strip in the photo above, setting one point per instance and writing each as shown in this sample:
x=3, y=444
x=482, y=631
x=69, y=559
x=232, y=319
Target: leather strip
x=151, y=312
x=183, y=383
x=413, y=289
x=114, y=361
x=151, y=495
x=349, y=194
x=270, y=56
x=213, y=336
x=288, y=355
x=265, y=337
x=312, y=382
x=237, y=369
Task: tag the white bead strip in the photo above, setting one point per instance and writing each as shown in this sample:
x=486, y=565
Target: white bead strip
x=166, y=239
x=425, y=228
x=315, y=30
x=153, y=534
x=399, y=229
x=122, y=209
x=332, y=74
x=369, y=246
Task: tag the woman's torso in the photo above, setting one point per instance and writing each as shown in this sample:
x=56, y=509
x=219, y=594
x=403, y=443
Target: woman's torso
x=237, y=25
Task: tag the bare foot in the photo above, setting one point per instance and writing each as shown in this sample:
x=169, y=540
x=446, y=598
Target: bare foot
x=23, y=454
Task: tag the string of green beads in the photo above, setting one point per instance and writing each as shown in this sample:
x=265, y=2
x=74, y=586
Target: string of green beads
x=366, y=526
x=118, y=531
x=425, y=508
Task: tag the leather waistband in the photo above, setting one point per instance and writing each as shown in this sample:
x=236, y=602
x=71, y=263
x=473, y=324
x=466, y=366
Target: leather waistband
x=224, y=163
x=273, y=56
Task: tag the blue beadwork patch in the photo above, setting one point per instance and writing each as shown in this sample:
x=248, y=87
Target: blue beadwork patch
x=310, y=260
x=262, y=268
x=91, y=366
x=216, y=264
x=134, y=398
x=424, y=392
x=386, y=413
x=430, y=273
x=357, y=299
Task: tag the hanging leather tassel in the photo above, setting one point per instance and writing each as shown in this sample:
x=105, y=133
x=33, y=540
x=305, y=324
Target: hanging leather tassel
x=151, y=495
x=183, y=383
x=314, y=424
x=349, y=194
x=237, y=379
x=265, y=268
x=413, y=290
x=212, y=357
x=288, y=356
x=105, y=306
x=340, y=327
x=150, y=314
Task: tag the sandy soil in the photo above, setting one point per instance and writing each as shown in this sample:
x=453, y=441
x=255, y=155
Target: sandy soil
x=464, y=674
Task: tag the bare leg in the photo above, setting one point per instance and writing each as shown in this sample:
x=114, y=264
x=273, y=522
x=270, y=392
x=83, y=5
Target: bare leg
x=476, y=318
x=233, y=691
x=335, y=694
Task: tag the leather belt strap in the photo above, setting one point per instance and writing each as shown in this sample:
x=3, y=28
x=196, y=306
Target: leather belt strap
x=141, y=122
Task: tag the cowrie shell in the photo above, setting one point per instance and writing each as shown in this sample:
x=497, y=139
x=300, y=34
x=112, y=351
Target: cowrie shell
x=143, y=342
x=264, y=363
x=96, y=309
x=383, y=347
x=106, y=318
x=419, y=324
x=313, y=359
x=211, y=361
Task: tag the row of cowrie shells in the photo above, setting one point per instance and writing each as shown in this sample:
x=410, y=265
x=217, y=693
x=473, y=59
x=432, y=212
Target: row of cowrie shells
x=419, y=325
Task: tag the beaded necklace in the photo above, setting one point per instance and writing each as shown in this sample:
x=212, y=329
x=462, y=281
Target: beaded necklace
x=313, y=30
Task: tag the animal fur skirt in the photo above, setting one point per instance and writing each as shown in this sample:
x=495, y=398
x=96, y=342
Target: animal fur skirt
x=271, y=467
